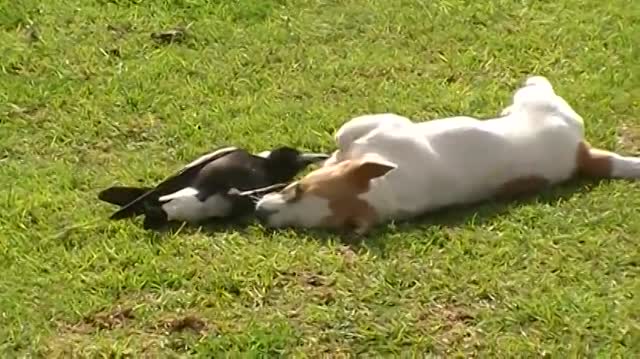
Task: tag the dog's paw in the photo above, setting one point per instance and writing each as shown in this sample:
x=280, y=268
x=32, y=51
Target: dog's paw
x=538, y=80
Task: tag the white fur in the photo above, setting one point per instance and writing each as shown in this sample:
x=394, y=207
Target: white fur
x=360, y=126
x=456, y=160
x=307, y=212
x=183, y=205
x=625, y=166
x=185, y=192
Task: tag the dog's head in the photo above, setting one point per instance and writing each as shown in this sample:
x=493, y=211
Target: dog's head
x=328, y=197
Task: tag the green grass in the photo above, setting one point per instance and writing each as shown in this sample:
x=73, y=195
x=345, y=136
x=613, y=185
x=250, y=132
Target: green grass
x=88, y=99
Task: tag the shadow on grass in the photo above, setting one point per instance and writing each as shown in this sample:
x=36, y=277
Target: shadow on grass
x=452, y=217
x=478, y=214
x=483, y=212
x=211, y=226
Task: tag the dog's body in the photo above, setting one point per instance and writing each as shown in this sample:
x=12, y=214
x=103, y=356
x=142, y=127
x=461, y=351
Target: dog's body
x=387, y=167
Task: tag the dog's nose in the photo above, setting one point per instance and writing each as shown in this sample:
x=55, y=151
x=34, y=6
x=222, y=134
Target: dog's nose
x=263, y=214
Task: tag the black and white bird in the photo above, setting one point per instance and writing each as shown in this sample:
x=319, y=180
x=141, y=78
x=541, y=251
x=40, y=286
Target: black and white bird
x=222, y=184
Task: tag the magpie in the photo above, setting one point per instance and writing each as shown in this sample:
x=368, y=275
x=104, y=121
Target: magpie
x=224, y=183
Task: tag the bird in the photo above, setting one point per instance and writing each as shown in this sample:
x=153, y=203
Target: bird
x=224, y=183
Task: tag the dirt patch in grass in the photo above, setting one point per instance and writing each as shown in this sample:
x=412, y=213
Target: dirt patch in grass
x=629, y=138
x=101, y=320
x=124, y=317
x=319, y=287
x=349, y=256
x=305, y=278
x=451, y=326
x=188, y=323
x=120, y=30
x=314, y=280
x=110, y=320
x=147, y=337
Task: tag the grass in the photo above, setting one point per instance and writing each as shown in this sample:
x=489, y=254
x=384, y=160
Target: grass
x=89, y=99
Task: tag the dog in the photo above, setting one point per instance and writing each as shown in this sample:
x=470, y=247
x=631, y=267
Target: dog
x=387, y=167
x=221, y=184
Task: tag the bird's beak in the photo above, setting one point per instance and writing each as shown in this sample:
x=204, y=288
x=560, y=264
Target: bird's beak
x=310, y=158
x=258, y=191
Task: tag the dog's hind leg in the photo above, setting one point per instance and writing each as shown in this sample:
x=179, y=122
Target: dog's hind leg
x=359, y=126
x=597, y=163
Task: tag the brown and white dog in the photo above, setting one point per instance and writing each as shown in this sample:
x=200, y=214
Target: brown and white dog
x=387, y=167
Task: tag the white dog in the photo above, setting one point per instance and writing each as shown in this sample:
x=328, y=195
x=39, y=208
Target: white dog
x=387, y=167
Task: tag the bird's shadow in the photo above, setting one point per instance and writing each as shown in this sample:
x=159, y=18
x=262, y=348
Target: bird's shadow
x=211, y=226
x=376, y=240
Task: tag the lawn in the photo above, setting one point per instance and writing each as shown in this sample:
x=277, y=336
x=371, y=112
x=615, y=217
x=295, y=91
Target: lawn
x=89, y=98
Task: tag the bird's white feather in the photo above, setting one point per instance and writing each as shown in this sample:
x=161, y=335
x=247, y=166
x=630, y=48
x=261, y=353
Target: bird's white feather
x=185, y=192
x=191, y=209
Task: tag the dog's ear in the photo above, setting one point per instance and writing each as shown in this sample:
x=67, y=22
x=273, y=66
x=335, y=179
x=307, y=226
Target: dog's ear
x=369, y=168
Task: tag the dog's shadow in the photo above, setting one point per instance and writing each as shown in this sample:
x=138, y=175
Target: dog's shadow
x=481, y=213
x=376, y=240
x=453, y=217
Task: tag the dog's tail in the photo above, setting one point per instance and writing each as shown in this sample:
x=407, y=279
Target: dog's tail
x=121, y=195
x=597, y=163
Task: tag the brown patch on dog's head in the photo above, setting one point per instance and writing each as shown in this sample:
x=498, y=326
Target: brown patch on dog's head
x=340, y=185
x=345, y=177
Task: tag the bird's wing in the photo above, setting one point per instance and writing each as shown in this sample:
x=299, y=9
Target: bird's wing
x=178, y=180
x=173, y=183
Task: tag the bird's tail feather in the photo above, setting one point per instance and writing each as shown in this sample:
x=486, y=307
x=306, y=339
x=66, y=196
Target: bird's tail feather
x=121, y=195
x=130, y=199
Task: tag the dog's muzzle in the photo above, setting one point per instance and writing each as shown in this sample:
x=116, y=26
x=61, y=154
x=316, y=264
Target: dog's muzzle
x=263, y=214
